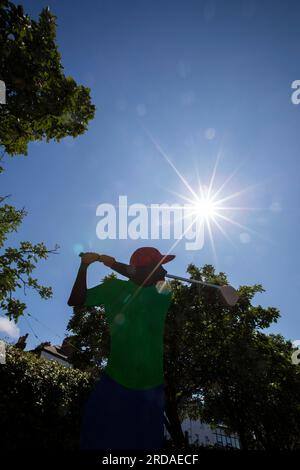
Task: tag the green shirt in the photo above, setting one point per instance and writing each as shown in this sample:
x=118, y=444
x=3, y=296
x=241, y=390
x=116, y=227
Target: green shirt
x=136, y=317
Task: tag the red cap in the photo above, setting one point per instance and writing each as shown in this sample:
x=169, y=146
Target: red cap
x=147, y=255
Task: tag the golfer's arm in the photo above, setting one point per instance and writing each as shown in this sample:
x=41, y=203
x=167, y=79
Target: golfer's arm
x=123, y=269
x=78, y=293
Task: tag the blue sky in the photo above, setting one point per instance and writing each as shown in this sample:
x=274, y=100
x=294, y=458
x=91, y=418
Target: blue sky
x=204, y=78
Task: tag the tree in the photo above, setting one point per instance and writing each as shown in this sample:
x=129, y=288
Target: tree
x=17, y=263
x=218, y=358
x=41, y=101
x=90, y=339
x=219, y=365
x=258, y=394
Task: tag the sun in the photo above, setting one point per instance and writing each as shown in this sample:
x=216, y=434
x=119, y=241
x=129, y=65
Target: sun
x=209, y=203
x=205, y=208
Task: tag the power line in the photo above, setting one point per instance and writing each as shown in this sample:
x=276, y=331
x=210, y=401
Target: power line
x=45, y=326
x=34, y=334
x=53, y=332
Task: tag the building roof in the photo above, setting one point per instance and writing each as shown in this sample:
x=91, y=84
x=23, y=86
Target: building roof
x=55, y=351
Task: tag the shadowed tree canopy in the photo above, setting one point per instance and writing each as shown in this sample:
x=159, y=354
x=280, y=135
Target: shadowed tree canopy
x=221, y=367
x=219, y=364
x=90, y=338
x=41, y=102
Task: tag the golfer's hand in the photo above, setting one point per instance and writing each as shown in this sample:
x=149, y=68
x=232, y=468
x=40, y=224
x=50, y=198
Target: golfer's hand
x=89, y=258
x=107, y=260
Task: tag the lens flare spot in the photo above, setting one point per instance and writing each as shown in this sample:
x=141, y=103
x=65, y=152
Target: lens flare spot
x=78, y=248
x=119, y=319
x=163, y=287
x=245, y=237
x=210, y=133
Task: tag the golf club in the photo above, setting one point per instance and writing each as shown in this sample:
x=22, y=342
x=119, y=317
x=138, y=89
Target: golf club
x=228, y=293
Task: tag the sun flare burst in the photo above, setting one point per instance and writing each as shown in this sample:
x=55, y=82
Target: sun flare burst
x=208, y=203
x=204, y=207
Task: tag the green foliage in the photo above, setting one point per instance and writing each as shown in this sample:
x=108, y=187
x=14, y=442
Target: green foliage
x=218, y=358
x=41, y=101
x=90, y=338
x=257, y=393
x=41, y=403
x=17, y=264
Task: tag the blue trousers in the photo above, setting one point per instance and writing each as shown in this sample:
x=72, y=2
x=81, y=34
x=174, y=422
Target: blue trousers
x=119, y=418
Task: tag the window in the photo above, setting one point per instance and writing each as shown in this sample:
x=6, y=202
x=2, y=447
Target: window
x=225, y=440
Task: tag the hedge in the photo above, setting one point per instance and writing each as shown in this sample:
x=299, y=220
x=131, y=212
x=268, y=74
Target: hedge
x=41, y=402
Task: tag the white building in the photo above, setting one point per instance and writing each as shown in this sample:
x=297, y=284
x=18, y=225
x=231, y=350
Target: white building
x=61, y=354
x=52, y=354
x=199, y=433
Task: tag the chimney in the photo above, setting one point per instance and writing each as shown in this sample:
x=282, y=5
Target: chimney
x=21, y=343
